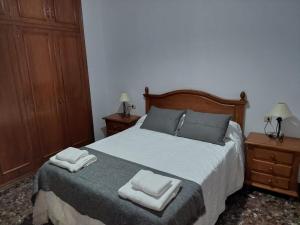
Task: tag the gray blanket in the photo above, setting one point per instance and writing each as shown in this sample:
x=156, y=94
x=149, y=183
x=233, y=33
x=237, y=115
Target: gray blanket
x=93, y=191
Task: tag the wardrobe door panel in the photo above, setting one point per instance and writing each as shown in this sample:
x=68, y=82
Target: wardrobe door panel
x=33, y=9
x=16, y=153
x=74, y=80
x=66, y=11
x=42, y=70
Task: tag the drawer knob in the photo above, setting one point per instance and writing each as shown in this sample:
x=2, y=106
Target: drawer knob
x=270, y=181
x=273, y=158
x=271, y=169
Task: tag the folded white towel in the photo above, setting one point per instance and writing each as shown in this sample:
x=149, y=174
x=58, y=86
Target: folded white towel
x=150, y=183
x=148, y=201
x=71, y=155
x=74, y=167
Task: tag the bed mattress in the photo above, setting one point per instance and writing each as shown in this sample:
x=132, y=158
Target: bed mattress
x=218, y=169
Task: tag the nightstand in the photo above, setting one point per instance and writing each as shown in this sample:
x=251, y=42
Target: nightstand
x=271, y=164
x=116, y=123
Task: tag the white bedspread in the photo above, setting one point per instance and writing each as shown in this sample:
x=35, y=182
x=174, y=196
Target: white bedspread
x=218, y=169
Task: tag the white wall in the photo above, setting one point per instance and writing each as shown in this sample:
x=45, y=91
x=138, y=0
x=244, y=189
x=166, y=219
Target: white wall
x=219, y=46
x=99, y=77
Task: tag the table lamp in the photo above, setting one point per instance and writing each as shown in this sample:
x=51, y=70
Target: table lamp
x=281, y=111
x=124, y=98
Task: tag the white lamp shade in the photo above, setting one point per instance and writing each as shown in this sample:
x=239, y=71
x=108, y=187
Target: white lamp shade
x=281, y=110
x=124, y=97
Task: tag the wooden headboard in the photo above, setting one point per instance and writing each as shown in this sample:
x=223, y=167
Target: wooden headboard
x=198, y=101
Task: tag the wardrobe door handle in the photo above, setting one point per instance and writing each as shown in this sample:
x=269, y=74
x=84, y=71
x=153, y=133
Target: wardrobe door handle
x=273, y=157
x=51, y=13
x=61, y=101
x=271, y=169
x=270, y=182
x=18, y=35
x=45, y=11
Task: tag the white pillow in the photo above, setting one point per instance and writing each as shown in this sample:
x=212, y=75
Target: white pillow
x=141, y=120
x=180, y=123
x=234, y=132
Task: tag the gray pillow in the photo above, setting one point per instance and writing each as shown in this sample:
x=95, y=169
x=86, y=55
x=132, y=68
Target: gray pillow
x=208, y=127
x=162, y=120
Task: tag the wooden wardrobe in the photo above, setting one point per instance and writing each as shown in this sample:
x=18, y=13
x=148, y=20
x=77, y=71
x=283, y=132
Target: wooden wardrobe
x=44, y=91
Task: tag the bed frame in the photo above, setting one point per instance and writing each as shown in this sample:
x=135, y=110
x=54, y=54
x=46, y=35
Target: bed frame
x=199, y=101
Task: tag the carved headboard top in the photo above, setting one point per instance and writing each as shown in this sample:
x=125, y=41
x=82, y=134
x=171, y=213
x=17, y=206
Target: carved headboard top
x=199, y=101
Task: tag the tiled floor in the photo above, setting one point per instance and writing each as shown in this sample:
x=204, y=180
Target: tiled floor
x=243, y=208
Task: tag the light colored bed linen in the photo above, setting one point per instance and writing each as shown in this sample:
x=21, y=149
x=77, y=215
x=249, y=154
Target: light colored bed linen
x=218, y=169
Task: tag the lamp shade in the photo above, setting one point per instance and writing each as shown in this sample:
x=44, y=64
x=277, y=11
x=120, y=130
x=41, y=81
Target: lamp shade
x=281, y=110
x=124, y=97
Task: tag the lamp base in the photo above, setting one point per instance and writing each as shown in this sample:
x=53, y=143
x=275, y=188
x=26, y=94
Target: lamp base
x=274, y=136
x=278, y=127
x=124, y=109
x=277, y=133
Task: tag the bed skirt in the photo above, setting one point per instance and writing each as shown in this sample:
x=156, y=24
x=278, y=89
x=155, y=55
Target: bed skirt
x=49, y=206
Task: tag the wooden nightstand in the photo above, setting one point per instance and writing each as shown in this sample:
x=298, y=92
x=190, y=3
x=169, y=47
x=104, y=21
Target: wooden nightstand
x=116, y=123
x=273, y=165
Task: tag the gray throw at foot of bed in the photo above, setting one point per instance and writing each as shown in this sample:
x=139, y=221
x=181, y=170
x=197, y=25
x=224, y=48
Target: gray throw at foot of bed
x=93, y=191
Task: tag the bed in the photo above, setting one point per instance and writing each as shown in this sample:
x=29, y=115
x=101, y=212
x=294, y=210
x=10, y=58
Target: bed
x=218, y=169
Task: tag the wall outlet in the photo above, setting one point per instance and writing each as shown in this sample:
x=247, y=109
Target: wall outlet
x=267, y=119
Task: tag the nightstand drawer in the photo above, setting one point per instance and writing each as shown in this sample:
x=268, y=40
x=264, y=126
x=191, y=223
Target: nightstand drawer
x=275, y=182
x=261, y=178
x=271, y=168
x=111, y=125
x=273, y=156
x=280, y=182
x=111, y=132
